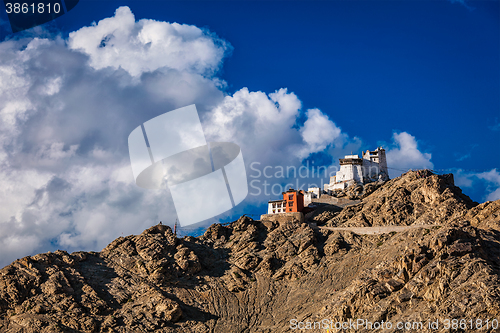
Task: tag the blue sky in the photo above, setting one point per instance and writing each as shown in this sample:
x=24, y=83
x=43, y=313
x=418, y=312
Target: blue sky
x=421, y=78
x=431, y=68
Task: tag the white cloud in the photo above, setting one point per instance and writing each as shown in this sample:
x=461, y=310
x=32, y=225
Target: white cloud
x=68, y=107
x=147, y=45
x=318, y=132
x=490, y=180
x=405, y=155
x=66, y=113
x=492, y=176
x=462, y=179
x=260, y=124
x=265, y=127
x=56, y=151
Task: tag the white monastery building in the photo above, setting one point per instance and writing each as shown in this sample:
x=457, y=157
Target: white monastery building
x=312, y=193
x=353, y=169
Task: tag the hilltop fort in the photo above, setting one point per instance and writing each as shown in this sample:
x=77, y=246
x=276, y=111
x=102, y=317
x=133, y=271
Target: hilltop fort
x=372, y=166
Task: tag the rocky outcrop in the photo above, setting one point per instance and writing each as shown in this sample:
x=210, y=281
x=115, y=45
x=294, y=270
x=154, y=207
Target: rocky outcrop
x=418, y=197
x=258, y=276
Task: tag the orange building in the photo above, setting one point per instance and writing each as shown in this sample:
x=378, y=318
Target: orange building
x=294, y=200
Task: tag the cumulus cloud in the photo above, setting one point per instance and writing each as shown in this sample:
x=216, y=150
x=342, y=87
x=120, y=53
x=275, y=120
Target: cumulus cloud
x=265, y=126
x=261, y=124
x=318, y=132
x=66, y=109
x=492, y=176
x=68, y=106
x=487, y=181
x=404, y=154
x=146, y=45
x=462, y=178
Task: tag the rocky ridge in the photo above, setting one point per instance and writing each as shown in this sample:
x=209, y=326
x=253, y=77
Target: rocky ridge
x=257, y=276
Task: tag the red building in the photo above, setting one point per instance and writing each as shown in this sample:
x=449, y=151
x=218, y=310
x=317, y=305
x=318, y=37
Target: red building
x=293, y=202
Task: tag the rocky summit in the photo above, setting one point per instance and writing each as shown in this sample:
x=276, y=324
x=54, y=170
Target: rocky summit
x=281, y=274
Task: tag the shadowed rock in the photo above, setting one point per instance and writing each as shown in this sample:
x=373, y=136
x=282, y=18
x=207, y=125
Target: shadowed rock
x=256, y=276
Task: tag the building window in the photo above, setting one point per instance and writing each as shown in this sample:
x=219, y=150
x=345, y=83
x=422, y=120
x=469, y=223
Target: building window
x=290, y=203
x=290, y=209
x=274, y=211
x=290, y=197
x=274, y=205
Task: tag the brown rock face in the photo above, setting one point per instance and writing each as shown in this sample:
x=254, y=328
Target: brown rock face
x=260, y=276
x=415, y=198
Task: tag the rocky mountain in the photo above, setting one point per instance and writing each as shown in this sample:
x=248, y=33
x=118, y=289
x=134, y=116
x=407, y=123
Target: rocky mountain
x=280, y=275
